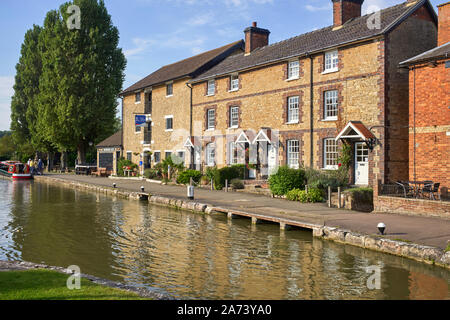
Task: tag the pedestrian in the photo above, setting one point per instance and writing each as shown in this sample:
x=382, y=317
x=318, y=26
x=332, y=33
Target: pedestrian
x=40, y=167
x=31, y=164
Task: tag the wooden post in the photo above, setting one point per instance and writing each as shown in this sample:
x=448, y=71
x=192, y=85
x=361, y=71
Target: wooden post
x=339, y=198
x=306, y=188
x=212, y=184
x=329, y=196
x=226, y=185
x=190, y=181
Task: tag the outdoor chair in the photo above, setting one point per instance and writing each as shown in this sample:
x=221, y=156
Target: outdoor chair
x=431, y=189
x=406, y=188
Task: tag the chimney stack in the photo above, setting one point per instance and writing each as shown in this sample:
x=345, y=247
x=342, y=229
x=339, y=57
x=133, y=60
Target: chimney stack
x=444, y=23
x=344, y=10
x=255, y=38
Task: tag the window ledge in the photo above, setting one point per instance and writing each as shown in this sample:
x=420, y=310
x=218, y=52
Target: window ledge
x=169, y=130
x=330, y=71
x=234, y=90
x=292, y=122
x=136, y=132
x=330, y=168
x=329, y=120
x=210, y=95
x=169, y=96
x=234, y=127
x=210, y=129
x=292, y=79
x=138, y=102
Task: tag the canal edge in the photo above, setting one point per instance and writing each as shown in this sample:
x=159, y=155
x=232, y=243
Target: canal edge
x=426, y=254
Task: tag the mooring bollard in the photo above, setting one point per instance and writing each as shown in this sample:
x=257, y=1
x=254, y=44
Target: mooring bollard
x=190, y=192
x=226, y=185
x=339, y=198
x=329, y=196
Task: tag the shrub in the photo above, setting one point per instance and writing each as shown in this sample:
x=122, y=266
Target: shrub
x=153, y=173
x=313, y=195
x=320, y=179
x=227, y=173
x=237, y=184
x=175, y=168
x=125, y=163
x=185, y=176
x=286, y=179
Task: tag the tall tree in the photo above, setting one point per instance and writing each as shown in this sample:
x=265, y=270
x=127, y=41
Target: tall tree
x=83, y=72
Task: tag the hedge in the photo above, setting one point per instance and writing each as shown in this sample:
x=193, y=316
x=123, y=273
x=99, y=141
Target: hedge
x=286, y=179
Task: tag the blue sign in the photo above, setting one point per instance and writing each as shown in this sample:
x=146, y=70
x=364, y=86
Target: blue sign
x=140, y=120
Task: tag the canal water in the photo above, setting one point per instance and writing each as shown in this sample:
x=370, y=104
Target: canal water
x=192, y=256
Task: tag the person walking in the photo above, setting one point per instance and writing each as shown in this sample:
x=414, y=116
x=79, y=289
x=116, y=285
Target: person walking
x=32, y=168
x=40, y=167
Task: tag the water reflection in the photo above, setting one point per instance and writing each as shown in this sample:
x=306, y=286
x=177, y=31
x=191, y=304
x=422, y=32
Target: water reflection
x=195, y=256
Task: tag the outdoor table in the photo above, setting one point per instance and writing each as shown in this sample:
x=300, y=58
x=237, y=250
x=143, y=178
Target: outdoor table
x=127, y=172
x=417, y=186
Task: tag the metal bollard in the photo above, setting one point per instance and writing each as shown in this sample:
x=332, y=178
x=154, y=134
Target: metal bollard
x=190, y=192
x=226, y=185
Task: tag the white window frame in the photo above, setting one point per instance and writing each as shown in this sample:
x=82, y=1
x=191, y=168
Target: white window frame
x=234, y=82
x=131, y=155
x=331, y=62
x=293, y=153
x=170, y=152
x=293, y=109
x=293, y=70
x=210, y=154
x=330, y=154
x=211, y=87
x=330, y=105
x=165, y=122
x=233, y=157
x=167, y=89
x=234, y=117
x=211, y=120
x=136, y=100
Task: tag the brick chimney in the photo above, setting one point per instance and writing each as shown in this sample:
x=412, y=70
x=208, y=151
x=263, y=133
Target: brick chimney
x=444, y=23
x=344, y=10
x=255, y=38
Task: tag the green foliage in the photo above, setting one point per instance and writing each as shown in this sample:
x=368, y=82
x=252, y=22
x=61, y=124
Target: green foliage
x=237, y=184
x=153, y=174
x=321, y=179
x=286, y=179
x=447, y=249
x=185, y=176
x=362, y=195
x=313, y=195
x=175, y=167
x=227, y=173
x=51, y=285
x=7, y=147
x=125, y=163
x=345, y=156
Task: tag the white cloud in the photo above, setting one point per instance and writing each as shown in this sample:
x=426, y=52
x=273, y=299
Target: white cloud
x=201, y=19
x=6, y=92
x=312, y=8
x=141, y=45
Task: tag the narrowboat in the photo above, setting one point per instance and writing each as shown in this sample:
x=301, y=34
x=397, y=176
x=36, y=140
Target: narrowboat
x=15, y=170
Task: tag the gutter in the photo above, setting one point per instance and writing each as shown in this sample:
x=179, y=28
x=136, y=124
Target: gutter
x=311, y=110
x=190, y=124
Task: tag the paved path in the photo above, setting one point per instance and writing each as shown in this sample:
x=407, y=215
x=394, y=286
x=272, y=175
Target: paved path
x=430, y=231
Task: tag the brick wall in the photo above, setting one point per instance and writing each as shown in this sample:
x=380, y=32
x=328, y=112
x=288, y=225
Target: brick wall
x=444, y=24
x=344, y=10
x=430, y=121
x=417, y=207
x=415, y=35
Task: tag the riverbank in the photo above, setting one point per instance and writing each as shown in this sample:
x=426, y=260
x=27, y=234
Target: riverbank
x=21, y=280
x=420, y=238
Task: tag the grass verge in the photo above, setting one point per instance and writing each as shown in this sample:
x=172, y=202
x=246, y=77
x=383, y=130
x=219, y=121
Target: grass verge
x=51, y=285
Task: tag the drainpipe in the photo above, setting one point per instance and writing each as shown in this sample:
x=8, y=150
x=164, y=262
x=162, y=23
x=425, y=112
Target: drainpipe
x=311, y=110
x=414, y=123
x=190, y=124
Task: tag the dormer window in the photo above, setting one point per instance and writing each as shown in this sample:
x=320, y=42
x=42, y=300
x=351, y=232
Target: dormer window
x=293, y=69
x=331, y=61
x=234, y=82
x=211, y=87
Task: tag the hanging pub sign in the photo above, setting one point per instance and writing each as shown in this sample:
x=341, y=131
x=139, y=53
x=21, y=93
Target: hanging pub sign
x=140, y=120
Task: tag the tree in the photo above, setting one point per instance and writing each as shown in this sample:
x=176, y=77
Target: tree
x=7, y=147
x=82, y=75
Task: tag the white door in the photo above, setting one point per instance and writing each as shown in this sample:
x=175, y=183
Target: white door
x=361, y=164
x=272, y=159
x=197, y=158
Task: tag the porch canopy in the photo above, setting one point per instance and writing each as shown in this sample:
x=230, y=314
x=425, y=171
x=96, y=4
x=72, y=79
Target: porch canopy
x=356, y=130
x=264, y=135
x=189, y=142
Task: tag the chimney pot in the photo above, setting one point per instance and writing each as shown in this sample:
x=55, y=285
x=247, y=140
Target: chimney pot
x=344, y=10
x=255, y=38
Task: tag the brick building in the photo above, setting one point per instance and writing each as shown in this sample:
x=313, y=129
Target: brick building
x=156, y=111
x=429, y=109
x=109, y=151
x=295, y=101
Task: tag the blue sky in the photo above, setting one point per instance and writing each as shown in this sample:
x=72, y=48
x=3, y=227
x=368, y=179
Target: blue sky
x=154, y=33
